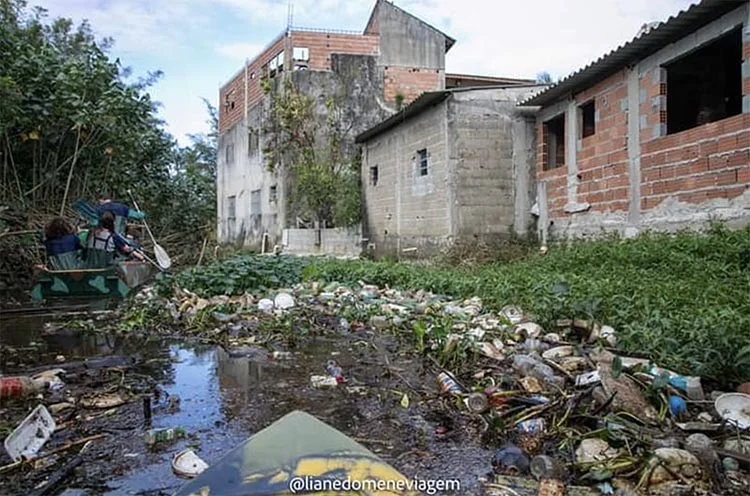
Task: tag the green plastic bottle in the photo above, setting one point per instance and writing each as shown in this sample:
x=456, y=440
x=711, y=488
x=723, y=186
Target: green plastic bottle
x=156, y=436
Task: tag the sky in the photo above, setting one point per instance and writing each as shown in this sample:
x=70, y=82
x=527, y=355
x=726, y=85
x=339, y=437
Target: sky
x=201, y=44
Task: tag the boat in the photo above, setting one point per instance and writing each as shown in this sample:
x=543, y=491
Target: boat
x=116, y=281
x=299, y=454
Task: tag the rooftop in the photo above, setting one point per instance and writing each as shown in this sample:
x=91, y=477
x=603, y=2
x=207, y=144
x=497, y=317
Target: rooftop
x=423, y=102
x=644, y=44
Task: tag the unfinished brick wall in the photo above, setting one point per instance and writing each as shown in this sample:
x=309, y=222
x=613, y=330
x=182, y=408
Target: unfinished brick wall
x=232, y=103
x=410, y=82
x=602, y=158
x=704, y=163
x=556, y=179
x=694, y=166
x=322, y=45
x=234, y=90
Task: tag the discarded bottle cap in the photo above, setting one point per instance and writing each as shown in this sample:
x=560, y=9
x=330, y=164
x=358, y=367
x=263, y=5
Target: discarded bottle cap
x=477, y=402
x=546, y=467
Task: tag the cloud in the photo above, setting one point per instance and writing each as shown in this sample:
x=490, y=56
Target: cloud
x=201, y=43
x=240, y=51
x=524, y=38
x=136, y=26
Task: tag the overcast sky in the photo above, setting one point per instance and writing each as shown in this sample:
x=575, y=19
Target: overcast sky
x=200, y=44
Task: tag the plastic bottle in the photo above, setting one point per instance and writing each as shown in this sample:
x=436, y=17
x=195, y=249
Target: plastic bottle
x=18, y=386
x=155, y=436
x=334, y=370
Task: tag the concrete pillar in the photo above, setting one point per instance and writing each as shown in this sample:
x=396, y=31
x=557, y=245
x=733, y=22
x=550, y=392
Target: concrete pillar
x=634, y=150
x=745, y=75
x=571, y=150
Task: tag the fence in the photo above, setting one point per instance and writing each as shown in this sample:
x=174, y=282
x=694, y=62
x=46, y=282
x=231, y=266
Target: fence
x=335, y=241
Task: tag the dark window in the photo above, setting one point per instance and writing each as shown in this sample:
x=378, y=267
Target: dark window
x=272, y=194
x=422, y=162
x=231, y=215
x=252, y=142
x=230, y=154
x=374, y=175
x=231, y=105
x=554, y=129
x=588, y=119
x=706, y=85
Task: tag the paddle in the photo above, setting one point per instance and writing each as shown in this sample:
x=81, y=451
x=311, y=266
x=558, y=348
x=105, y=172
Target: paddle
x=161, y=255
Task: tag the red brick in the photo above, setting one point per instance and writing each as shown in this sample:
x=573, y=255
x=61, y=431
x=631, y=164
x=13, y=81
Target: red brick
x=727, y=143
x=743, y=175
x=718, y=162
x=726, y=178
x=709, y=147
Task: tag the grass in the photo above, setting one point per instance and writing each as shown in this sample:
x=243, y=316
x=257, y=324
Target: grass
x=681, y=300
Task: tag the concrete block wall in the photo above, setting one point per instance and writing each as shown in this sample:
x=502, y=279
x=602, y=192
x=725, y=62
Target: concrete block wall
x=631, y=175
x=405, y=210
x=338, y=241
x=489, y=164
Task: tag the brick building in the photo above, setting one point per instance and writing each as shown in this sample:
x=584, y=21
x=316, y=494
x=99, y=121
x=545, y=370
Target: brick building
x=653, y=135
x=389, y=64
x=455, y=166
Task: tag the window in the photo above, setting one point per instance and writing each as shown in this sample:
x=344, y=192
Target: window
x=422, y=162
x=276, y=64
x=706, y=85
x=272, y=194
x=374, y=175
x=252, y=142
x=301, y=54
x=588, y=119
x=231, y=215
x=554, y=130
x=255, y=202
x=229, y=154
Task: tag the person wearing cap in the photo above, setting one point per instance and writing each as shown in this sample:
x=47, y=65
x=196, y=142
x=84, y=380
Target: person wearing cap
x=121, y=212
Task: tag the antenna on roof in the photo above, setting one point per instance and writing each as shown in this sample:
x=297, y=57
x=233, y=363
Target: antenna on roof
x=290, y=17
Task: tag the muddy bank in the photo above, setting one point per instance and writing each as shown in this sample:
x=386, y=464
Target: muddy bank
x=225, y=395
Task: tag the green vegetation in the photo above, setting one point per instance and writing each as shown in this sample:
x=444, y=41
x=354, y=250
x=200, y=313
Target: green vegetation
x=310, y=151
x=75, y=124
x=683, y=300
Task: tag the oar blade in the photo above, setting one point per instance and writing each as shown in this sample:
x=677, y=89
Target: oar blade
x=162, y=257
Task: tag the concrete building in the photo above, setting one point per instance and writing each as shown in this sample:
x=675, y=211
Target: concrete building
x=653, y=135
x=454, y=166
x=389, y=64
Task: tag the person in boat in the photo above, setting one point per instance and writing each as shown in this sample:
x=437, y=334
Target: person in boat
x=104, y=244
x=62, y=245
x=121, y=212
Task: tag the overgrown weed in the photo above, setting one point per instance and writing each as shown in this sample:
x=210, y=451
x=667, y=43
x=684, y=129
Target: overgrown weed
x=682, y=300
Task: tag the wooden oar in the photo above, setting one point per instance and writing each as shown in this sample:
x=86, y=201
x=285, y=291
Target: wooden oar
x=161, y=254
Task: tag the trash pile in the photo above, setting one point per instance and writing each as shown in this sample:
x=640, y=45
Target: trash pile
x=80, y=412
x=565, y=408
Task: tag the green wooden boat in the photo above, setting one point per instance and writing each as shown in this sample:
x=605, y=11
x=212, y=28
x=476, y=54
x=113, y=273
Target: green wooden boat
x=299, y=454
x=116, y=281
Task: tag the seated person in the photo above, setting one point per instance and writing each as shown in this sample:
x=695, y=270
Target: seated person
x=104, y=244
x=121, y=212
x=62, y=245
